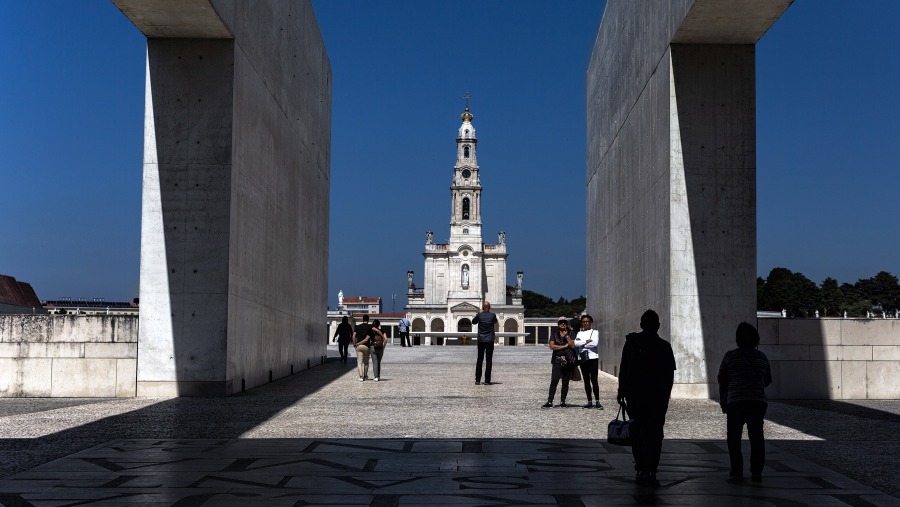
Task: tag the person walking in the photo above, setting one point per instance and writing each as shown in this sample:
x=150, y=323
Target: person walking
x=378, y=342
x=743, y=377
x=586, y=345
x=404, y=326
x=361, y=342
x=646, y=375
x=343, y=335
x=486, y=337
x=563, y=361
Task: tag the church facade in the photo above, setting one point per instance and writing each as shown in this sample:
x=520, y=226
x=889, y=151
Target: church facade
x=462, y=273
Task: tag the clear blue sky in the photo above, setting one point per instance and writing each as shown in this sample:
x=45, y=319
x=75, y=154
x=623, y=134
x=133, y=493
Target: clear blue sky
x=71, y=133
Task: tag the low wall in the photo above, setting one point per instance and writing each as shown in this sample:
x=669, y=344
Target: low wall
x=68, y=356
x=95, y=356
x=839, y=359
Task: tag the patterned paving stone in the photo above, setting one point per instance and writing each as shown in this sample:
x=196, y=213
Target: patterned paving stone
x=416, y=472
x=426, y=436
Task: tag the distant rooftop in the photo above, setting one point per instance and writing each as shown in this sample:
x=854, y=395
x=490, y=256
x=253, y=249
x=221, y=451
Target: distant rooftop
x=16, y=293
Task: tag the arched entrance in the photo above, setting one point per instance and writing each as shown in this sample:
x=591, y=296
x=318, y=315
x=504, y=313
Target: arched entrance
x=511, y=326
x=418, y=327
x=437, y=325
x=464, y=325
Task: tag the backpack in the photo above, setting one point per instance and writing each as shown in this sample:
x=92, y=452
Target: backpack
x=379, y=340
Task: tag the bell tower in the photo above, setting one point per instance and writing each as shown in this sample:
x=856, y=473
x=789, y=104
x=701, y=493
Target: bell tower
x=464, y=272
x=465, y=189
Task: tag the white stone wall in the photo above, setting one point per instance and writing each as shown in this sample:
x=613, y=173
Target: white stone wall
x=839, y=359
x=68, y=356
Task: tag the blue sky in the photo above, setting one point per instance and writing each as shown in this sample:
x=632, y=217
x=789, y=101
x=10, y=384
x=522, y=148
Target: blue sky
x=71, y=133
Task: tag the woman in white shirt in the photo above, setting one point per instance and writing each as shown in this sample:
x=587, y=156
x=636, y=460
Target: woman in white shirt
x=586, y=344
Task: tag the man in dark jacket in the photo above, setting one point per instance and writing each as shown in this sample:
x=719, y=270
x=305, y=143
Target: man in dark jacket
x=486, y=337
x=646, y=376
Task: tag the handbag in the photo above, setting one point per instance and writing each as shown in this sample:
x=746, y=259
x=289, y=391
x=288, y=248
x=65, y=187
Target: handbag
x=618, y=432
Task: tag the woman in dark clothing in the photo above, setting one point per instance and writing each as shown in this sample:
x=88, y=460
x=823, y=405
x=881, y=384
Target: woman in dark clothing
x=743, y=377
x=378, y=341
x=563, y=360
x=343, y=335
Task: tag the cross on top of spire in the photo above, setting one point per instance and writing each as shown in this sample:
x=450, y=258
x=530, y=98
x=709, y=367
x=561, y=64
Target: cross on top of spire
x=467, y=116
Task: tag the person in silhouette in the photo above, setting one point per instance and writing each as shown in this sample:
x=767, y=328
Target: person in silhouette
x=743, y=377
x=378, y=342
x=563, y=361
x=361, y=342
x=485, y=320
x=646, y=376
x=343, y=335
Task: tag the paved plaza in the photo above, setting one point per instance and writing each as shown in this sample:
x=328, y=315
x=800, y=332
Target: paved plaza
x=426, y=435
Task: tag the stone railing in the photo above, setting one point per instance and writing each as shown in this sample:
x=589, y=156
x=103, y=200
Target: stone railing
x=68, y=356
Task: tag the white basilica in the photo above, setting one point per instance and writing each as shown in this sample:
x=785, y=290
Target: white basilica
x=465, y=271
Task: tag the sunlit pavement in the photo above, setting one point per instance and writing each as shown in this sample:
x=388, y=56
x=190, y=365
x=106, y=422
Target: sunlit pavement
x=424, y=435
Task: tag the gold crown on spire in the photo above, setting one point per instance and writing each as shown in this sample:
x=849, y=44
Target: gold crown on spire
x=467, y=116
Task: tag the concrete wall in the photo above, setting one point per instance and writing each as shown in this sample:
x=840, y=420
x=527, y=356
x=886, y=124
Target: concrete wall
x=234, y=241
x=68, y=356
x=671, y=182
x=839, y=359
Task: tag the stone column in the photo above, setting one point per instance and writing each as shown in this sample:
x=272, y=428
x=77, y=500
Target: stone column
x=671, y=176
x=234, y=236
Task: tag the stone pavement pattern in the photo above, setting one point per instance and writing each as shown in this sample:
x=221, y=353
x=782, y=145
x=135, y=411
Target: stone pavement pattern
x=424, y=435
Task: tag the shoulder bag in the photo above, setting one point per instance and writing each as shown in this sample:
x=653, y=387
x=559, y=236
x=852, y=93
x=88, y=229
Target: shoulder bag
x=618, y=431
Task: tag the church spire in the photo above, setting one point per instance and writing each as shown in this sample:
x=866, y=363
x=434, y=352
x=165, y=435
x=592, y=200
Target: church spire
x=465, y=189
x=467, y=116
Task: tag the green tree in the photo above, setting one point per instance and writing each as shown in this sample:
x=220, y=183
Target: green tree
x=539, y=305
x=884, y=291
x=831, y=299
x=786, y=290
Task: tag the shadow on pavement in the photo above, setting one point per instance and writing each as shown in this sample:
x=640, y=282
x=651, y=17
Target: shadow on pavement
x=175, y=418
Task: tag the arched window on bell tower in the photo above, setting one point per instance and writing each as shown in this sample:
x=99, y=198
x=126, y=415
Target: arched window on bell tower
x=465, y=210
x=466, y=151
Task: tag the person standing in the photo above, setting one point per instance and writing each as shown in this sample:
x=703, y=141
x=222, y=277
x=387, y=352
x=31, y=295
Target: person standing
x=343, y=335
x=361, y=342
x=563, y=361
x=743, y=377
x=646, y=376
x=404, y=326
x=586, y=344
x=378, y=341
x=486, y=337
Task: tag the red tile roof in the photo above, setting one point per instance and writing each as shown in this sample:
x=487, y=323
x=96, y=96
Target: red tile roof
x=360, y=299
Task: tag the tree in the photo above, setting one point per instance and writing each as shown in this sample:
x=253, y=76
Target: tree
x=538, y=305
x=882, y=290
x=786, y=290
x=831, y=299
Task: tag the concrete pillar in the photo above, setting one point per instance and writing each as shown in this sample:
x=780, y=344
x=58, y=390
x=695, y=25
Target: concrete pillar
x=234, y=236
x=671, y=176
